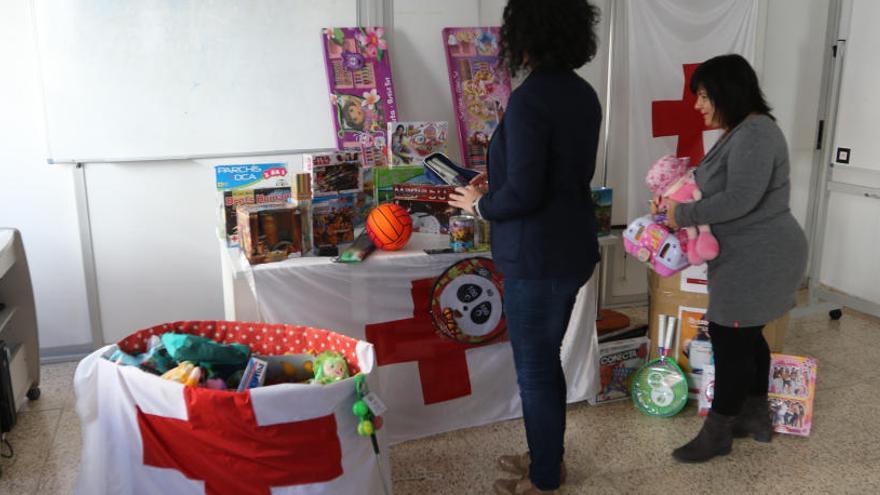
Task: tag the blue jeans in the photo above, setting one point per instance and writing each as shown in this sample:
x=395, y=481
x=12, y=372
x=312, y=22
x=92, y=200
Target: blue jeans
x=537, y=316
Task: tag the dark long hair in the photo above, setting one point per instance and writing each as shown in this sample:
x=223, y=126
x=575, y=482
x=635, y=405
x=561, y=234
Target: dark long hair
x=553, y=34
x=732, y=86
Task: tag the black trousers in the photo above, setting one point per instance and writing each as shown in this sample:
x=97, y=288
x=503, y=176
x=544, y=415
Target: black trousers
x=742, y=366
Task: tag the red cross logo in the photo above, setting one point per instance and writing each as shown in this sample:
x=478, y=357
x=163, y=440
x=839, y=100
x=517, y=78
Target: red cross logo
x=443, y=368
x=678, y=118
x=222, y=444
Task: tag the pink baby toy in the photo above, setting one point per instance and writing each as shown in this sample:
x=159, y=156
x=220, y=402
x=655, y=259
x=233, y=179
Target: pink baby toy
x=656, y=245
x=670, y=177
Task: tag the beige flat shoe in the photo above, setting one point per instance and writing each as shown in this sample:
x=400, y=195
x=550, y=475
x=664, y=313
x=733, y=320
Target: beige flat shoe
x=520, y=486
x=519, y=465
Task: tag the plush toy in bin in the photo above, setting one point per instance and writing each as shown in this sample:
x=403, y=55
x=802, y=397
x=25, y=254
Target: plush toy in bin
x=670, y=177
x=389, y=226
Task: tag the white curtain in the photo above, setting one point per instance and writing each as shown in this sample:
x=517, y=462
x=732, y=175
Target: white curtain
x=654, y=41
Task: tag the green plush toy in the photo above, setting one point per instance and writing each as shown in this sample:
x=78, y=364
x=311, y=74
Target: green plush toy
x=330, y=367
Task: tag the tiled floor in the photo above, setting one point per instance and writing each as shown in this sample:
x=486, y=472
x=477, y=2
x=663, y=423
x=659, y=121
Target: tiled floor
x=611, y=449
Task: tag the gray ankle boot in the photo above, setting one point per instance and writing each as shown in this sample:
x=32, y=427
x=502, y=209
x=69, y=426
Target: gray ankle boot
x=715, y=438
x=754, y=420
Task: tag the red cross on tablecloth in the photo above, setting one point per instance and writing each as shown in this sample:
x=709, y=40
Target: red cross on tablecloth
x=222, y=444
x=443, y=368
x=678, y=118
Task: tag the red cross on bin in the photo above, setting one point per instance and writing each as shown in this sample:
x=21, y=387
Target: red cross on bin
x=443, y=368
x=222, y=444
x=679, y=118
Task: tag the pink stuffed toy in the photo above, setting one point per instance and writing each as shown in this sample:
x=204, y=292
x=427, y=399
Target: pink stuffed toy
x=670, y=178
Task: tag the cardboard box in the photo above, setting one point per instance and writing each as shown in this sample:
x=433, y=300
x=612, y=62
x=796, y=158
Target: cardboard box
x=666, y=297
x=270, y=232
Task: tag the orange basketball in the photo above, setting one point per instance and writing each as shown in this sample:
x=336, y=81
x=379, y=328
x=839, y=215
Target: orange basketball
x=389, y=226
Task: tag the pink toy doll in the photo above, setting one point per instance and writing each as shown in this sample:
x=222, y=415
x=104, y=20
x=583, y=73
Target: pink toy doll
x=670, y=177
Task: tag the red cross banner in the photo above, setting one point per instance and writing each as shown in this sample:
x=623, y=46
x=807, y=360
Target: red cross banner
x=431, y=382
x=143, y=434
x=666, y=41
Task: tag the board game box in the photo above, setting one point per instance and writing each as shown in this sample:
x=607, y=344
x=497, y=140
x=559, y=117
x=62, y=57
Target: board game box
x=333, y=220
x=617, y=361
x=246, y=184
x=428, y=205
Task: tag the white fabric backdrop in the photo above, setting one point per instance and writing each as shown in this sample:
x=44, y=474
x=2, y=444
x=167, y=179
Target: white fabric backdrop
x=346, y=298
x=659, y=37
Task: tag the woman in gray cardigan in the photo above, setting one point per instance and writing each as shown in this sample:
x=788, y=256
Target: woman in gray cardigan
x=763, y=251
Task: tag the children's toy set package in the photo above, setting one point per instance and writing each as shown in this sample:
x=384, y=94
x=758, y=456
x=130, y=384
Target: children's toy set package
x=792, y=390
x=361, y=89
x=248, y=184
x=410, y=142
x=480, y=88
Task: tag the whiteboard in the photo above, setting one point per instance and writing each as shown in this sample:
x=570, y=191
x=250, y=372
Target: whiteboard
x=856, y=142
x=163, y=79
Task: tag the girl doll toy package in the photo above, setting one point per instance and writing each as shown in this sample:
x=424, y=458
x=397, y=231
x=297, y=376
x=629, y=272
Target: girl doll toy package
x=362, y=98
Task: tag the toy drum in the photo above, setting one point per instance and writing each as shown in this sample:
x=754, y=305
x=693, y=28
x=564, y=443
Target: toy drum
x=462, y=230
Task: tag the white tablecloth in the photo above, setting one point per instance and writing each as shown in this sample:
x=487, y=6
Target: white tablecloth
x=432, y=392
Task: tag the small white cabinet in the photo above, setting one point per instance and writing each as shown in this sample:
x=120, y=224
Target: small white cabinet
x=18, y=318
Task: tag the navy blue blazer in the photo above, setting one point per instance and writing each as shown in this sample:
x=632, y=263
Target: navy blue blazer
x=542, y=157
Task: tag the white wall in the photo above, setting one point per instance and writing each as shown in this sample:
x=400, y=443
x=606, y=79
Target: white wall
x=792, y=80
x=36, y=198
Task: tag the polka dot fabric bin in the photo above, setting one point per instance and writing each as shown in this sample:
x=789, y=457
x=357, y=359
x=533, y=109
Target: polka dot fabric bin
x=263, y=338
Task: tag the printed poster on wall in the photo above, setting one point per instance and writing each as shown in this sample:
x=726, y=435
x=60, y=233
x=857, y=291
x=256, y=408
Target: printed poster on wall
x=361, y=90
x=480, y=89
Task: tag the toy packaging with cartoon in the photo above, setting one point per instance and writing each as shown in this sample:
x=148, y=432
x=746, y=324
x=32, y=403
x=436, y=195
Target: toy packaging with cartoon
x=618, y=360
x=333, y=220
x=791, y=392
x=410, y=142
x=361, y=89
x=480, y=89
x=428, y=205
x=246, y=184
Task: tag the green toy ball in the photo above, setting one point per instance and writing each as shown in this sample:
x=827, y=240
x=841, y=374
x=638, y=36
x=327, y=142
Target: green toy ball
x=360, y=409
x=365, y=428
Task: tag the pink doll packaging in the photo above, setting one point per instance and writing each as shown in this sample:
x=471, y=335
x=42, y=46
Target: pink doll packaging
x=361, y=90
x=654, y=244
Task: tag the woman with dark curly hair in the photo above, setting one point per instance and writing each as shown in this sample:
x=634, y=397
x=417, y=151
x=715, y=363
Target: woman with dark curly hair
x=541, y=160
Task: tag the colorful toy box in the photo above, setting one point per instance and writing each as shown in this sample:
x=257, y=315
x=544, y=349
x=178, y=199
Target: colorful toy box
x=602, y=197
x=410, y=142
x=247, y=184
x=617, y=361
x=653, y=243
x=361, y=90
x=480, y=88
x=428, y=205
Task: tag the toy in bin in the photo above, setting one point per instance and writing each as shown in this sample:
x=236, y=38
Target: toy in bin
x=656, y=245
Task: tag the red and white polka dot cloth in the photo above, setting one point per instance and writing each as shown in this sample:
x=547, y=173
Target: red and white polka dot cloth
x=262, y=338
